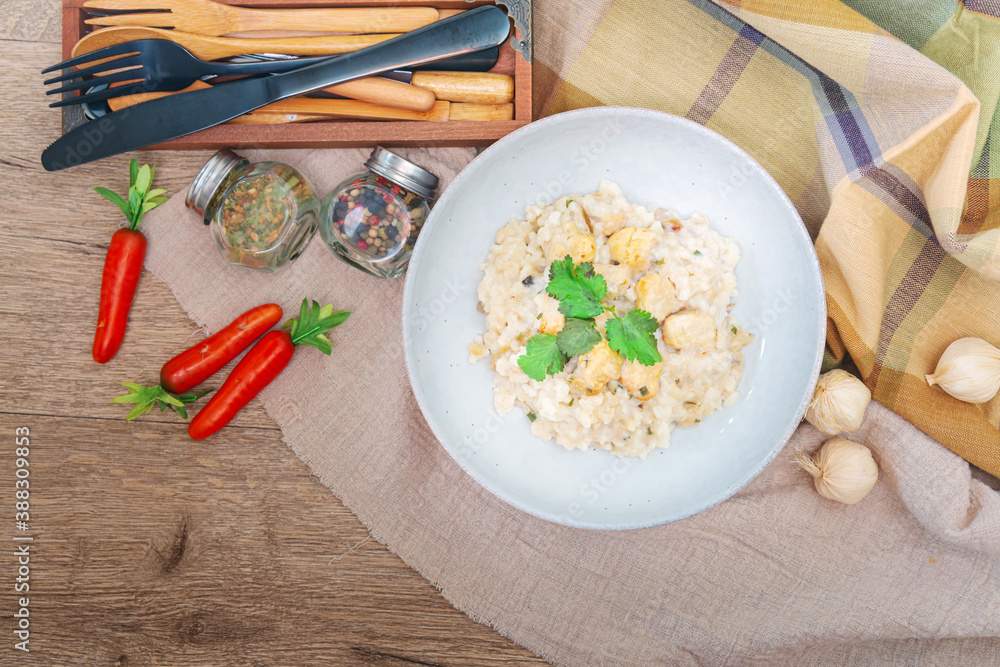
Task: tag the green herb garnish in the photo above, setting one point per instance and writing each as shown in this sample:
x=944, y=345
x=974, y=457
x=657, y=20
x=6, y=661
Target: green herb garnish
x=140, y=198
x=733, y=329
x=542, y=357
x=312, y=323
x=697, y=252
x=578, y=336
x=532, y=416
x=580, y=291
x=146, y=398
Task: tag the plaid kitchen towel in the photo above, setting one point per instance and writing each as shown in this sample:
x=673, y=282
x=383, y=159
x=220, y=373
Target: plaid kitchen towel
x=878, y=118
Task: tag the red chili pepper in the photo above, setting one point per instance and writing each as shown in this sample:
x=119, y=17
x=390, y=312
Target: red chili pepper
x=256, y=370
x=123, y=263
x=262, y=364
x=198, y=363
x=122, y=268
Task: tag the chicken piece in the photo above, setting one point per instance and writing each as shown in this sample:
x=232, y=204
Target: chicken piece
x=611, y=223
x=631, y=245
x=641, y=381
x=552, y=320
x=578, y=215
x=569, y=241
x=616, y=277
x=688, y=329
x=598, y=367
x=656, y=295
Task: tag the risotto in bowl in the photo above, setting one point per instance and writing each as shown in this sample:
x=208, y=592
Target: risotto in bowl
x=613, y=318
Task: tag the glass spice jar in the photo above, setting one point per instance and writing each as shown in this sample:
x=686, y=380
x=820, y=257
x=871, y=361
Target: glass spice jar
x=372, y=219
x=261, y=215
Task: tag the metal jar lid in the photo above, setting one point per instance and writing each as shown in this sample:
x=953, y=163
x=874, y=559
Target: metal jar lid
x=402, y=172
x=209, y=179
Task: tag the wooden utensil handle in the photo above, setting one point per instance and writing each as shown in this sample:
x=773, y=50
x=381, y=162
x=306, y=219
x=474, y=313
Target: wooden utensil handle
x=305, y=109
x=308, y=106
x=474, y=87
x=337, y=19
x=386, y=92
x=213, y=48
x=480, y=112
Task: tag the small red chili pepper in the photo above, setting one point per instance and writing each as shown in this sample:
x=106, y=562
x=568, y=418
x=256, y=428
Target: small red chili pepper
x=263, y=363
x=123, y=263
x=199, y=362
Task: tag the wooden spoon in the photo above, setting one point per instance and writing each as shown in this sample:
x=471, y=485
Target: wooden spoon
x=213, y=48
x=206, y=17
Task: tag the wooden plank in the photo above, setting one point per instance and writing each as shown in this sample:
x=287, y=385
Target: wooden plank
x=152, y=550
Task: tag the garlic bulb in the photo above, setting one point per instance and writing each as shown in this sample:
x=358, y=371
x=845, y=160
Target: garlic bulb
x=838, y=403
x=969, y=370
x=843, y=470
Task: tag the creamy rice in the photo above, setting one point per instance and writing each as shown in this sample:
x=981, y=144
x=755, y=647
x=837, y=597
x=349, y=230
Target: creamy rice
x=687, y=283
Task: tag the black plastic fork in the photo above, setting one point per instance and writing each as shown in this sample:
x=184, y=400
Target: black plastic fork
x=159, y=65
x=151, y=65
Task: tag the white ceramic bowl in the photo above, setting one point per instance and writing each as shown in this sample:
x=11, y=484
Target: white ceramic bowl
x=655, y=158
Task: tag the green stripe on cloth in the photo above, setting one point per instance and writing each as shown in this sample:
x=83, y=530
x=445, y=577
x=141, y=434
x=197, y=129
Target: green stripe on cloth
x=967, y=45
x=924, y=289
x=913, y=21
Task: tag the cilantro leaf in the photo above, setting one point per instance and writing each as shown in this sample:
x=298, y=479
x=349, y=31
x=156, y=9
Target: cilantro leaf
x=632, y=337
x=578, y=336
x=579, y=289
x=542, y=357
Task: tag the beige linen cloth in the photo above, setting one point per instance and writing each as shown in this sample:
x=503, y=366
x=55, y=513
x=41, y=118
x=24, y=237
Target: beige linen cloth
x=775, y=575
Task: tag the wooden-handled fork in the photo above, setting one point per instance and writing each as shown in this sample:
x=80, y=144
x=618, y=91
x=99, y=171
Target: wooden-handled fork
x=205, y=17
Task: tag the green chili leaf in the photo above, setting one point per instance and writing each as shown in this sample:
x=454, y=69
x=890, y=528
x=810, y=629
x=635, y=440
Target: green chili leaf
x=133, y=203
x=133, y=171
x=143, y=180
x=115, y=199
x=309, y=328
x=146, y=398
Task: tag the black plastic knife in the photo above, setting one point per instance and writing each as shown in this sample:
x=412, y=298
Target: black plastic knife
x=170, y=117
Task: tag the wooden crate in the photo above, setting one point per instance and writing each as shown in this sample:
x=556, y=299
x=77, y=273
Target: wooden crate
x=344, y=133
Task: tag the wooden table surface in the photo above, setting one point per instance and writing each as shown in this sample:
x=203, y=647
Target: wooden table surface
x=148, y=550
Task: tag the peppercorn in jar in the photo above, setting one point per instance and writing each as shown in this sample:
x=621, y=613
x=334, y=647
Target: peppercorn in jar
x=372, y=219
x=261, y=215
